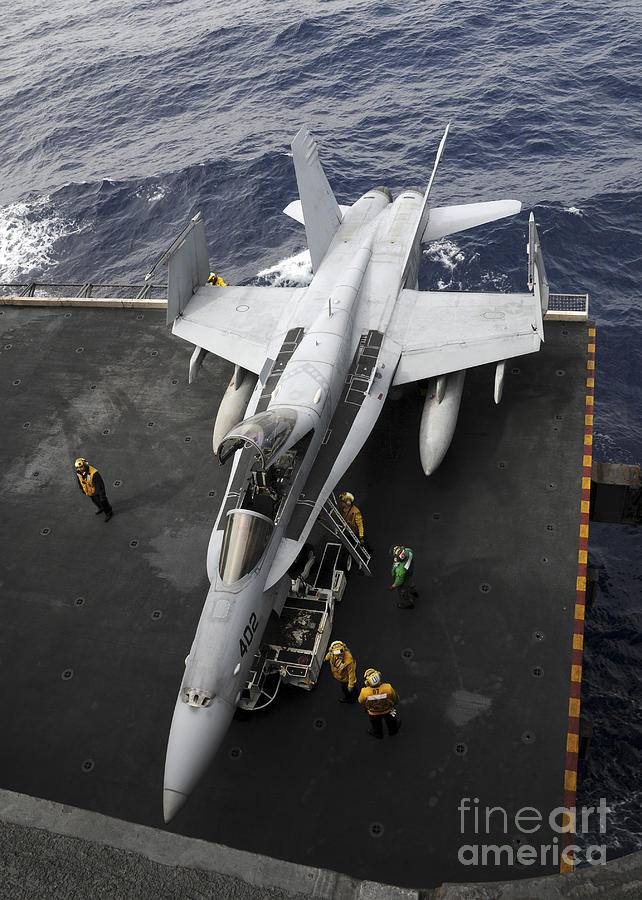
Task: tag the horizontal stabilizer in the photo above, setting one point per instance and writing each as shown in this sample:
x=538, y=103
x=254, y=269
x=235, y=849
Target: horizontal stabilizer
x=295, y=211
x=450, y=219
x=321, y=213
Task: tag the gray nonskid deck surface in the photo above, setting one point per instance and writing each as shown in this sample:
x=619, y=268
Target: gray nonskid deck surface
x=41, y=865
x=97, y=618
x=71, y=852
x=51, y=850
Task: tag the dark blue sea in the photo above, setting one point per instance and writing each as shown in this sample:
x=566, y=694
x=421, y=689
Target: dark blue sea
x=122, y=120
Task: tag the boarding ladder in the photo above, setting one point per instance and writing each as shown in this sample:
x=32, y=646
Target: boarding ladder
x=333, y=521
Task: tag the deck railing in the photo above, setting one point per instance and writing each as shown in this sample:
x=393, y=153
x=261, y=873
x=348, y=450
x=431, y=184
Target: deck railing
x=85, y=289
x=563, y=307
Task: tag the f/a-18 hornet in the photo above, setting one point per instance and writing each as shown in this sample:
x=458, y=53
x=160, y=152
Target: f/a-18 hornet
x=313, y=367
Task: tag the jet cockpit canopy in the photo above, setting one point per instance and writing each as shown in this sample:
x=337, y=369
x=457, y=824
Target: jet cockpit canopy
x=268, y=432
x=245, y=538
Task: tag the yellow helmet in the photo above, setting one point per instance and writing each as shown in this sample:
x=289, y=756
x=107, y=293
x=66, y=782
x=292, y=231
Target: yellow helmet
x=81, y=462
x=337, y=647
x=346, y=497
x=372, y=677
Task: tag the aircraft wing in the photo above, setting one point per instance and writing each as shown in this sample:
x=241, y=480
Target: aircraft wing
x=238, y=323
x=445, y=331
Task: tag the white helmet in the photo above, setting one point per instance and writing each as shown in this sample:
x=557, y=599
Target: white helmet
x=372, y=677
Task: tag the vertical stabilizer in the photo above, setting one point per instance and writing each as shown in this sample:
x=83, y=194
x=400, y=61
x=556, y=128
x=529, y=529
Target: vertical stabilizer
x=321, y=213
x=422, y=218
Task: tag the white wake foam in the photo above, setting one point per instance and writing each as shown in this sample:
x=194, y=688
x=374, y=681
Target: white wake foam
x=28, y=232
x=293, y=270
x=151, y=193
x=450, y=257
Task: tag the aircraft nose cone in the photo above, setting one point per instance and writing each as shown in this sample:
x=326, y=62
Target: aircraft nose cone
x=195, y=736
x=172, y=802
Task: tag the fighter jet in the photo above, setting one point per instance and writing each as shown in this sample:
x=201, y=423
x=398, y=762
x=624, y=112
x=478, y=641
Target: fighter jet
x=313, y=367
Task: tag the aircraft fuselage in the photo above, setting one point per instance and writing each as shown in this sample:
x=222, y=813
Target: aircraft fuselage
x=326, y=357
x=374, y=233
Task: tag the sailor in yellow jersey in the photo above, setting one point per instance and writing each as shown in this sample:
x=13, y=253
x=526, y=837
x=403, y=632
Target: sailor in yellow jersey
x=380, y=699
x=351, y=514
x=344, y=669
x=91, y=483
x=216, y=280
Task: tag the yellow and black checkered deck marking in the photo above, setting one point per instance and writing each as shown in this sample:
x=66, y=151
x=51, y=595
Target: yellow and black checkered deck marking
x=573, y=735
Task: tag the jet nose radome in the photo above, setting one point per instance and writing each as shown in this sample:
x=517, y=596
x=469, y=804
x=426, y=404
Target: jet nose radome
x=172, y=802
x=194, y=738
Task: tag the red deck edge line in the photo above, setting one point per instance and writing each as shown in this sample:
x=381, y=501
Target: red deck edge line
x=573, y=734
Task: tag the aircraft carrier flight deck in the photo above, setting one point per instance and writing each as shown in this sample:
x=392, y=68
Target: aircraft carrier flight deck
x=98, y=616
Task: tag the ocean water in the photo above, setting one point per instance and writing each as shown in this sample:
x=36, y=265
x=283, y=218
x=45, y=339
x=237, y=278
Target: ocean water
x=121, y=121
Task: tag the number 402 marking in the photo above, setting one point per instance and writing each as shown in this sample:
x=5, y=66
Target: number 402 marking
x=248, y=634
